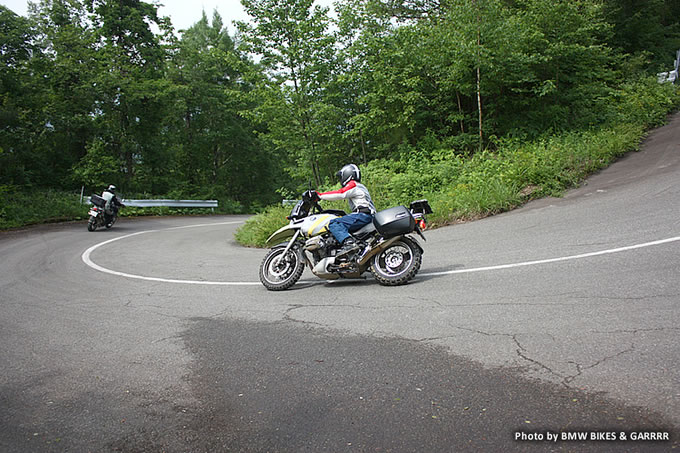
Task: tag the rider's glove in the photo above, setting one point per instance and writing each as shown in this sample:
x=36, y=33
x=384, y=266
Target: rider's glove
x=311, y=196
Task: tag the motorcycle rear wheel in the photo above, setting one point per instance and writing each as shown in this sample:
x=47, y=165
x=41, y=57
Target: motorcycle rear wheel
x=398, y=263
x=92, y=224
x=279, y=272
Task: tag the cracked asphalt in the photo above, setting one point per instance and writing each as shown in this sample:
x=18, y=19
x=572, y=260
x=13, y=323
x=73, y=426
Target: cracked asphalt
x=465, y=358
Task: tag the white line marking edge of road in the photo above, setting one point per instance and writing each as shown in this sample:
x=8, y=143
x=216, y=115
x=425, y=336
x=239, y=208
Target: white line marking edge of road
x=88, y=261
x=554, y=260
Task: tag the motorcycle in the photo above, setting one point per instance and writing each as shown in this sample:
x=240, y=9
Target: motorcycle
x=98, y=216
x=386, y=246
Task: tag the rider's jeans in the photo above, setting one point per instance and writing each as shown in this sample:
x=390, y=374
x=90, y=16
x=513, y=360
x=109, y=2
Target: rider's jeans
x=341, y=227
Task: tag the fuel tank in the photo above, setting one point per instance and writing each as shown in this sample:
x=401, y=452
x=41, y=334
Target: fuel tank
x=315, y=225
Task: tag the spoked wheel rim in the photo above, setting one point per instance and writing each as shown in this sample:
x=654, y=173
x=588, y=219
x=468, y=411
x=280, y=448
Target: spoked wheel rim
x=394, y=261
x=281, y=271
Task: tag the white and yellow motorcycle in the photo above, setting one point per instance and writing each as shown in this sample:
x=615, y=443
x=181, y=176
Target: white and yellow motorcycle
x=386, y=246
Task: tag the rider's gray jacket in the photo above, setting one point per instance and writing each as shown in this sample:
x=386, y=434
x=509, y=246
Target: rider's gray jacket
x=356, y=195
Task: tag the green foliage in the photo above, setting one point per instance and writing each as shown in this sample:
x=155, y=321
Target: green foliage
x=97, y=168
x=214, y=149
x=650, y=28
x=19, y=207
x=645, y=101
x=101, y=91
x=463, y=187
x=292, y=103
x=258, y=228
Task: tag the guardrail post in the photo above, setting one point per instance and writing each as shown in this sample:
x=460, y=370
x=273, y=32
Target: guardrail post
x=671, y=76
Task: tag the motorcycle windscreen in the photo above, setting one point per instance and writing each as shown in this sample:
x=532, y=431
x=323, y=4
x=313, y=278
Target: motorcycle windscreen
x=394, y=221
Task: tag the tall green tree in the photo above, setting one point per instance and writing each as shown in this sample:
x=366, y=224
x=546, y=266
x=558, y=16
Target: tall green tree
x=573, y=69
x=477, y=68
x=16, y=36
x=52, y=92
x=646, y=27
x=216, y=147
x=66, y=74
x=292, y=37
x=132, y=89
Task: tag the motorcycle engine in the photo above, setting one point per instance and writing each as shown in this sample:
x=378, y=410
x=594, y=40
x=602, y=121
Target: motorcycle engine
x=314, y=243
x=321, y=246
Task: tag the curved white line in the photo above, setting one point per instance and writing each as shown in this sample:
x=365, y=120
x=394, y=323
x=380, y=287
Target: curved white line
x=87, y=260
x=554, y=260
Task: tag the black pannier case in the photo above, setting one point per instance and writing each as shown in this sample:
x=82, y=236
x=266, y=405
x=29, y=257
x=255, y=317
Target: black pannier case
x=97, y=201
x=394, y=221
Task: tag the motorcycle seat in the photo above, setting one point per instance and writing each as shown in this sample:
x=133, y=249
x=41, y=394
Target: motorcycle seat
x=364, y=231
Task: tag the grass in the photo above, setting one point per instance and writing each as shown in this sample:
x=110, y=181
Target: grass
x=19, y=208
x=257, y=229
x=485, y=184
x=462, y=187
x=459, y=188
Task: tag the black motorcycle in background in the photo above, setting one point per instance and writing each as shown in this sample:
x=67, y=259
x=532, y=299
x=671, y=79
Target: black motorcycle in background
x=98, y=215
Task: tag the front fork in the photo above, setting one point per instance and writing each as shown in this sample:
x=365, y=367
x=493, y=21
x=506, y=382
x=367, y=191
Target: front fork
x=290, y=245
x=292, y=241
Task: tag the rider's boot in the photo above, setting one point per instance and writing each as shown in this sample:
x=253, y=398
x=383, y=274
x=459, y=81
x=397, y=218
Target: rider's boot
x=349, y=245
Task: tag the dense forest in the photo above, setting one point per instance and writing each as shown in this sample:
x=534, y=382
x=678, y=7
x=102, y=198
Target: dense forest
x=94, y=92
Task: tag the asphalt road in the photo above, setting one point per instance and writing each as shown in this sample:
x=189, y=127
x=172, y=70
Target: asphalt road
x=560, y=318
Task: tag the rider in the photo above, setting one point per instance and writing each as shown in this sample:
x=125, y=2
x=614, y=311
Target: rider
x=112, y=203
x=360, y=204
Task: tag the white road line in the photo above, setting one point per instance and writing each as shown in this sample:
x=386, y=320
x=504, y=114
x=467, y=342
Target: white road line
x=554, y=260
x=87, y=260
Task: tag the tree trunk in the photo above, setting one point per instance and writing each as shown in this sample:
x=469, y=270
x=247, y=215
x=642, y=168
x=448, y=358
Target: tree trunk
x=462, y=115
x=479, y=80
x=479, y=107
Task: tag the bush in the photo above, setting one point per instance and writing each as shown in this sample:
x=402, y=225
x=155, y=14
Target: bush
x=258, y=228
x=645, y=102
x=19, y=208
x=490, y=182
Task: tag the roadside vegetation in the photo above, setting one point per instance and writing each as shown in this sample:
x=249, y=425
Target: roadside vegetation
x=19, y=208
x=463, y=187
x=477, y=105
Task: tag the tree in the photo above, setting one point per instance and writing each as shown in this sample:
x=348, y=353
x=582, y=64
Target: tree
x=297, y=51
x=15, y=51
x=131, y=89
x=216, y=146
x=647, y=27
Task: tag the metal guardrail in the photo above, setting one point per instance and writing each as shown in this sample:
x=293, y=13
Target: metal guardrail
x=671, y=76
x=168, y=203
x=171, y=203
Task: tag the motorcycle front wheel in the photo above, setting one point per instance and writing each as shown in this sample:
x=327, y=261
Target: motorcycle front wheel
x=92, y=224
x=398, y=263
x=279, y=271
